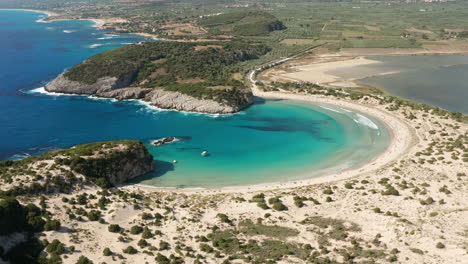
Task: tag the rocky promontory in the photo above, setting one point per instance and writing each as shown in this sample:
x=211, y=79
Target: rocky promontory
x=180, y=76
x=110, y=87
x=105, y=164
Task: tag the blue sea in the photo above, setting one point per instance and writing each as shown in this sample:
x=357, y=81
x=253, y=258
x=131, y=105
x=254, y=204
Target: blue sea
x=272, y=141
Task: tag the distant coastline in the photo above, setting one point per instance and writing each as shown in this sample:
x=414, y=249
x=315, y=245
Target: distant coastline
x=99, y=23
x=48, y=13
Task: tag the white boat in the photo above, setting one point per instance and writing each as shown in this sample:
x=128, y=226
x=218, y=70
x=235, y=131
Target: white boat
x=204, y=153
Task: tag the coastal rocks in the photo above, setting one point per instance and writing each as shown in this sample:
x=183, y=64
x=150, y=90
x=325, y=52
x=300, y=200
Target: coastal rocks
x=62, y=84
x=112, y=87
x=174, y=100
x=163, y=141
x=126, y=93
x=130, y=162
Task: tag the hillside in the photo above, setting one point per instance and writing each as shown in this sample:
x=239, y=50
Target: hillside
x=184, y=76
x=246, y=23
x=104, y=164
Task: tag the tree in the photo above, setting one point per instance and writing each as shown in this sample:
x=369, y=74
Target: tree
x=84, y=260
x=114, y=228
x=52, y=225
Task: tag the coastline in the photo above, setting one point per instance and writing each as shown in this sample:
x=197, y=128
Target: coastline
x=99, y=23
x=399, y=144
x=325, y=177
x=48, y=13
x=389, y=155
x=319, y=69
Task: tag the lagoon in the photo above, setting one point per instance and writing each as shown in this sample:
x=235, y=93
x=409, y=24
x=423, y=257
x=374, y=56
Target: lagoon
x=272, y=141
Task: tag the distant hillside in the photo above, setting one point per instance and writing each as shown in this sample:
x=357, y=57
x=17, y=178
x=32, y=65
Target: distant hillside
x=185, y=76
x=247, y=23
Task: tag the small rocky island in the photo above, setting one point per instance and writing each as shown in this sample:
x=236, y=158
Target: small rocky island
x=195, y=77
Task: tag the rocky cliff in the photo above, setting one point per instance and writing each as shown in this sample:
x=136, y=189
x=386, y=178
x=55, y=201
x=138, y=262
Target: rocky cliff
x=112, y=87
x=113, y=162
x=105, y=164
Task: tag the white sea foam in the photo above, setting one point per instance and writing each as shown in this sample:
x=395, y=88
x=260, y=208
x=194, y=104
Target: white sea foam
x=41, y=90
x=93, y=46
x=108, y=36
x=331, y=109
x=365, y=121
x=41, y=20
x=147, y=105
x=162, y=187
x=20, y=156
x=156, y=109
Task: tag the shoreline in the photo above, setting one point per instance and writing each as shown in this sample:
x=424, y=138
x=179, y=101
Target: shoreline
x=399, y=144
x=320, y=69
x=277, y=184
x=99, y=23
x=48, y=13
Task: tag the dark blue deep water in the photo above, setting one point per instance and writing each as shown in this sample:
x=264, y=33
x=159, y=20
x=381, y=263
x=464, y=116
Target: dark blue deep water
x=270, y=141
x=32, y=54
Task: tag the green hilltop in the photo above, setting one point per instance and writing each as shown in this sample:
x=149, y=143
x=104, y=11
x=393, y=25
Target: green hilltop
x=244, y=23
x=202, y=70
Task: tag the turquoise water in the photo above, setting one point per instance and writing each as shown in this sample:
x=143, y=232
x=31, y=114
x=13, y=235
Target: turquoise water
x=439, y=80
x=275, y=140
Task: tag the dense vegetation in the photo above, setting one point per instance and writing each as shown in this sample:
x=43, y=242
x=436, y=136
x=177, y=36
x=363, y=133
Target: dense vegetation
x=200, y=70
x=16, y=218
x=246, y=23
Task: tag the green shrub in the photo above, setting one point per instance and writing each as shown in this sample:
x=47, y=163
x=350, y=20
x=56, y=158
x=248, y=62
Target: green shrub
x=107, y=252
x=263, y=205
x=440, y=245
x=52, y=225
x=55, y=247
x=94, y=215
x=114, y=228
x=279, y=206
x=84, y=260
x=136, y=229
x=163, y=245
x=206, y=248
x=161, y=259
x=328, y=191
x=224, y=218
x=146, y=233
x=130, y=250
x=142, y=243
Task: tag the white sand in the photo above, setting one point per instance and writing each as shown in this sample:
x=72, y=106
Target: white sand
x=320, y=72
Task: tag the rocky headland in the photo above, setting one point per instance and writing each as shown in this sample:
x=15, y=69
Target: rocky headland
x=201, y=81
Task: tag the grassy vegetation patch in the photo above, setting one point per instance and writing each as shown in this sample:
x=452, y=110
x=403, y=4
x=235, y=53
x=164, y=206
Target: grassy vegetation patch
x=244, y=23
x=248, y=228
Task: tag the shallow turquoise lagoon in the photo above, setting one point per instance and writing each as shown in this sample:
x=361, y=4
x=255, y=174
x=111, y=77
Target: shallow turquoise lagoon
x=272, y=141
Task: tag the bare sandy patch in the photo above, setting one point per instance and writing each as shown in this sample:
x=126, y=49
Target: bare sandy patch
x=319, y=72
x=415, y=30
